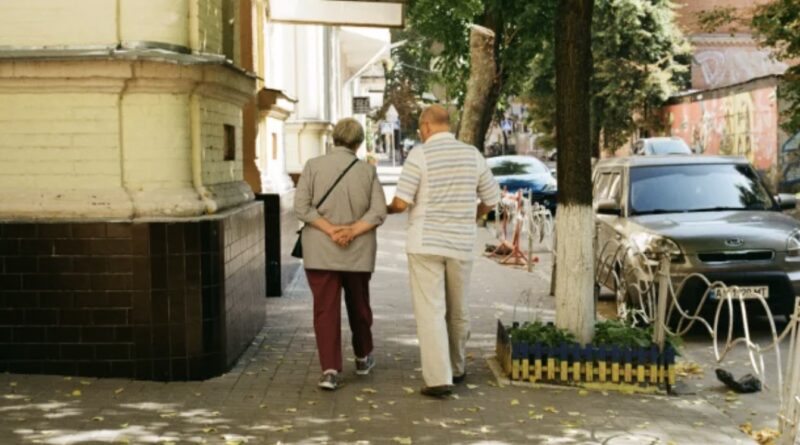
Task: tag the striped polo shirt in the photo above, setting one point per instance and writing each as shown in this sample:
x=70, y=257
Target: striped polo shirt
x=443, y=180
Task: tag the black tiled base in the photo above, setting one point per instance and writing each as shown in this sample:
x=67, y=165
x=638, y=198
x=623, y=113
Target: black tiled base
x=143, y=300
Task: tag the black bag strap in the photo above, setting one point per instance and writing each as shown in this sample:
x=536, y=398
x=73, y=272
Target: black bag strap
x=339, y=179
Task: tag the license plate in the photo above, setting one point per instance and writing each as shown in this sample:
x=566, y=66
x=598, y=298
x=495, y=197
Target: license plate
x=741, y=293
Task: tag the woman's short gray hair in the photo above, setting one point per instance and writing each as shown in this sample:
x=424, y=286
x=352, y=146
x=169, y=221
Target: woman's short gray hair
x=349, y=133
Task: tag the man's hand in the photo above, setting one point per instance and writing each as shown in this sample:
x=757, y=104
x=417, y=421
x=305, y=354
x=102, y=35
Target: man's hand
x=397, y=206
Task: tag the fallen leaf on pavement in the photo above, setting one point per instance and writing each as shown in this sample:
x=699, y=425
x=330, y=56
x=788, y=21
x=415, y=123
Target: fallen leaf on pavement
x=551, y=409
x=471, y=386
x=514, y=402
x=369, y=391
x=766, y=436
x=408, y=390
x=402, y=440
x=76, y=393
x=119, y=390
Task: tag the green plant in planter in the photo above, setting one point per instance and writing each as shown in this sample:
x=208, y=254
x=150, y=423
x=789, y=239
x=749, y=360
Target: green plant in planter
x=538, y=332
x=615, y=332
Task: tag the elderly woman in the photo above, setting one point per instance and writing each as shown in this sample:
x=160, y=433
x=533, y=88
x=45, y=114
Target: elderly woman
x=339, y=246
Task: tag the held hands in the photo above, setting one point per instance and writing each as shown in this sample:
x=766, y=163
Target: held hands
x=342, y=235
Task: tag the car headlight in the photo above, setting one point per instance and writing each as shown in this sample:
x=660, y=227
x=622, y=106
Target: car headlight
x=793, y=244
x=651, y=245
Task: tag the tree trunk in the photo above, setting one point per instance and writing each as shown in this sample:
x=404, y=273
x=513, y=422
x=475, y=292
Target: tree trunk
x=575, y=309
x=482, y=78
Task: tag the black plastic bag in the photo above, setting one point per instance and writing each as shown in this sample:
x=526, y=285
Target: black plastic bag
x=746, y=384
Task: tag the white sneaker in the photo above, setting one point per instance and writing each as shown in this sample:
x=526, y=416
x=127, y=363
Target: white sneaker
x=329, y=381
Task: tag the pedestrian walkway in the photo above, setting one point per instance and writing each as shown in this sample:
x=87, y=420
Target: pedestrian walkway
x=271, y=395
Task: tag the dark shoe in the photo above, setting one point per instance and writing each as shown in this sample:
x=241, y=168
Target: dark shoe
x=363, y=367
x=436, y=391
x=458, y=379
x=328, y=381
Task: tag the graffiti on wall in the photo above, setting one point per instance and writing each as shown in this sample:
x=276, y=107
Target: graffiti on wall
x=719, y=67
x=742, y=124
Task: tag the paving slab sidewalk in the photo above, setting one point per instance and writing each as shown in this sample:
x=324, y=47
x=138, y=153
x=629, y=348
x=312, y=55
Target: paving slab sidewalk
x=271, y=396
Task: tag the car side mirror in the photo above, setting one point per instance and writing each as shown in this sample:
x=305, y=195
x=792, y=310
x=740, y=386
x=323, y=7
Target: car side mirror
x=786, y=201
x=607, y=206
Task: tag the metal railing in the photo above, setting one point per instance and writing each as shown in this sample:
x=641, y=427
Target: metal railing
x=646, y=294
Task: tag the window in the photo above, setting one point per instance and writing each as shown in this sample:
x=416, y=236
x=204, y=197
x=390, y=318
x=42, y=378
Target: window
x=608, y=185
x=229, y=142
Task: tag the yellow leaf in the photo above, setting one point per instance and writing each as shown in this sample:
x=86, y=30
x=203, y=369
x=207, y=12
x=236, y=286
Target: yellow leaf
x=76, y=393
x=468, y=433
x=551, y=409
x=391, y=402
x=408, y=390
x=97, y=419
x=514, y=402
x=573, y=413
x=537, y=417
x=364, y=418
x=123, y=425
x=374, y=406
x=262, y=406
x=402, y=440
x=583, y=392
x=369, y=391
x=359, y=399
x=471, y=386
x=291, y=410
x=349, y=431
x=311, y=402
x=209, y=430
x=119, y=390
x=698, y=424
x=85, y=382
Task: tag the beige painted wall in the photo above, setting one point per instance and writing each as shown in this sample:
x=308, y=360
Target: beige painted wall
x=82, y=23
x=115, y=139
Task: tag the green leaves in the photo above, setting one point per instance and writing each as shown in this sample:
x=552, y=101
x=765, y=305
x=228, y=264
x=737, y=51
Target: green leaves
x=538, y=332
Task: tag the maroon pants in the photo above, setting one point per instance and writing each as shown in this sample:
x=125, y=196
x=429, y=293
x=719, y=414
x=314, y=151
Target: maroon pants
x=326, y=286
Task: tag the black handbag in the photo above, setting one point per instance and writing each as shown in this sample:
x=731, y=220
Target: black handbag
x=297, y=252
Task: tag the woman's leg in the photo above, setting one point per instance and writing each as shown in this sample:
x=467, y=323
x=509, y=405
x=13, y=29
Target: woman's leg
x=326, y=286
x=359, y=312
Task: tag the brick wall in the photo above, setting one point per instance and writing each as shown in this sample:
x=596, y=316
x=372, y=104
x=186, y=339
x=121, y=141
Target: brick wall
x=59, y=141
x=214, y=115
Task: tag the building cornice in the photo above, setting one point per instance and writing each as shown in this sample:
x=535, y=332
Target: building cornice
x=133, y=76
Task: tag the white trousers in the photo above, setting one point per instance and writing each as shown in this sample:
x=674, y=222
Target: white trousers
x=439, y=295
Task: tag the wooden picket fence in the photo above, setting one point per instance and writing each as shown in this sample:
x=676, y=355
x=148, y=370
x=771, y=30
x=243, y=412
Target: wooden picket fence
x=572, y=364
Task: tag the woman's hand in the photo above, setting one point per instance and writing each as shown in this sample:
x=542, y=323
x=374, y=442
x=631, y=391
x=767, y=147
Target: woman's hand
x=343, y=236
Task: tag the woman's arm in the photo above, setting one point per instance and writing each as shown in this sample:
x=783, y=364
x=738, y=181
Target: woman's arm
x=304, y=208
x=375, y=216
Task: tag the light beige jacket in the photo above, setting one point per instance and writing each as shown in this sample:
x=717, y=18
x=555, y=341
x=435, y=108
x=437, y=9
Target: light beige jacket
x=359, y=196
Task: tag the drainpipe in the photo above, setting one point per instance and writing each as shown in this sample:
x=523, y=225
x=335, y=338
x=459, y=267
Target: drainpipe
x=194, y=26
x=194, y=113
x=197, y=153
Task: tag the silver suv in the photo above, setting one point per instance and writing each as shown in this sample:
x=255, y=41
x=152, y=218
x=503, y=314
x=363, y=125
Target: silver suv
x=713, y=213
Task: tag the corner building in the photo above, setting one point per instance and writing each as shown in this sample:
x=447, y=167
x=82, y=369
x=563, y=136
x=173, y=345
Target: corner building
x=130, y=245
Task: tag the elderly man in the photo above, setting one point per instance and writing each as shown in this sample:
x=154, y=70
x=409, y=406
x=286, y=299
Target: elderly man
x=342, y=202
x=441, y=182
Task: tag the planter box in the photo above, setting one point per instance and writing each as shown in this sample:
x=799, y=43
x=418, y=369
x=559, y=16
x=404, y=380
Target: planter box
x=573, y=364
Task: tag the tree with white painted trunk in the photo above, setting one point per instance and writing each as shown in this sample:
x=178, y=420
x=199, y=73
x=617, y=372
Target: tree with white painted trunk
x=575, y=310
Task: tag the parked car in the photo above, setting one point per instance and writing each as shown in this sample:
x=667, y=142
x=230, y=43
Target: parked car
x=661, y=146
x=528, y=174
x=712, y=213
x=551, y=161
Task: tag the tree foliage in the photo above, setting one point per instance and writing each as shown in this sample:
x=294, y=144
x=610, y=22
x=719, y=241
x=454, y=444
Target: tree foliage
x=640, y=58
x=521, y=29
x=408, y=77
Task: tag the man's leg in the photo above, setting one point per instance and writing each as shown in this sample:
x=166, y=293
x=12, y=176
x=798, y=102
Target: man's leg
x=426, y=273
x=326, y=286
x=457, y=282
x=359, y=313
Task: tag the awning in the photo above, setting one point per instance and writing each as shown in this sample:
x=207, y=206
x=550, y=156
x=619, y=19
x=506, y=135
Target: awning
x=337, y=12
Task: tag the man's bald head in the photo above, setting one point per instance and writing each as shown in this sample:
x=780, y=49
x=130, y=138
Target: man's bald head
x=434, y=119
